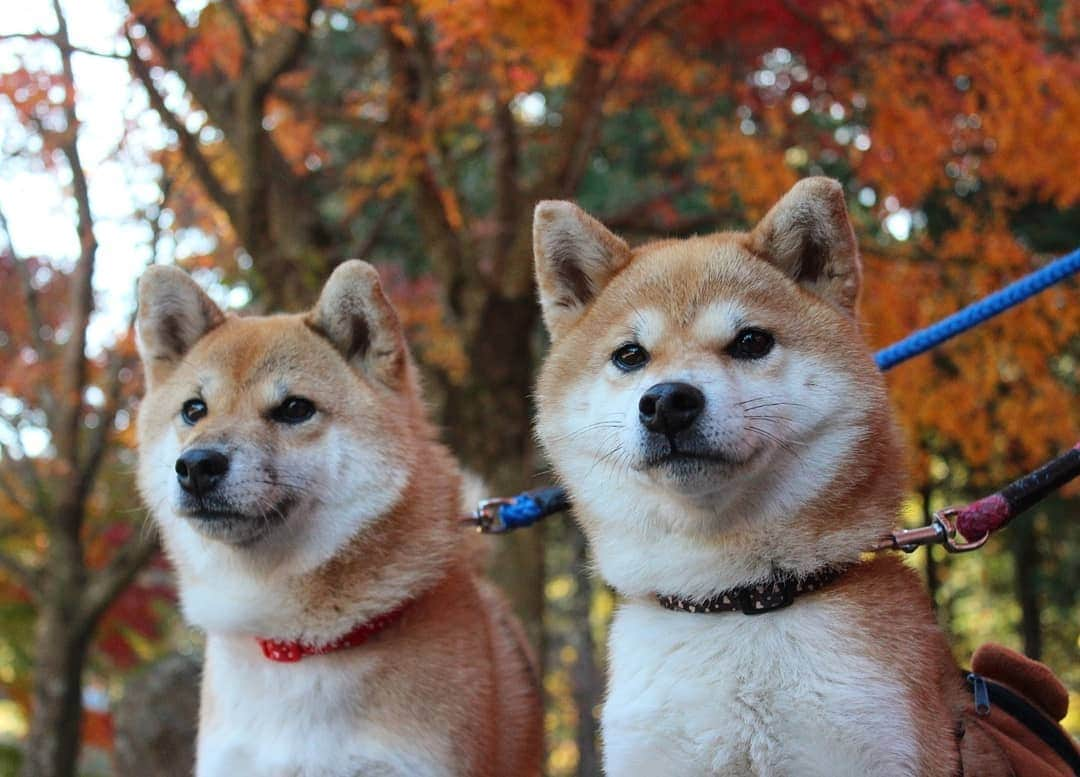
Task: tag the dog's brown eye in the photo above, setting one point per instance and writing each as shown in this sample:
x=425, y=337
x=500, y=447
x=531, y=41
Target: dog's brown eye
x=192, y=410
x=630, y=357
x=751, y=344
x=294, y=410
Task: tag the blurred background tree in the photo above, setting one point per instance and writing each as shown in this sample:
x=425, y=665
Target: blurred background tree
x=260, y=143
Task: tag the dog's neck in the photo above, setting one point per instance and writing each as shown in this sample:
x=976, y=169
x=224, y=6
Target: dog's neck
x=792, y=518
x=291, y=651
x=395, y=557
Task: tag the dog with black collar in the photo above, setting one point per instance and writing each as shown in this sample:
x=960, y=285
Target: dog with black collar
x=725, y=436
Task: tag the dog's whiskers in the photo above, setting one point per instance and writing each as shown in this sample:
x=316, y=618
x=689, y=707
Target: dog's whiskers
x=769, y=404
x=611, y=421
x=785, y=445
x=774, y=418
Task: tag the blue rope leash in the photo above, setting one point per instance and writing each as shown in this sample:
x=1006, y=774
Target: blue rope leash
x=978, y=312
x=501, y=515
x=522, y=511
x=495, y=516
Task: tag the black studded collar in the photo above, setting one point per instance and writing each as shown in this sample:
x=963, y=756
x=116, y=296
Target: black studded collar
x=774, y=593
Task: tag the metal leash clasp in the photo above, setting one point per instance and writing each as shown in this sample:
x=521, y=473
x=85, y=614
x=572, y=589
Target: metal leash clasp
x=941, y=531
x=944, y=518
x=487, y=517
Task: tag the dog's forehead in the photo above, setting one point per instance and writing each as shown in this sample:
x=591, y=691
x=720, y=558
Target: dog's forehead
x=274, y=353
x=711, y=320
x=701, y=286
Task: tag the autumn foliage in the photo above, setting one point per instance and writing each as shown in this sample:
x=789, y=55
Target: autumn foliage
x=419, y=134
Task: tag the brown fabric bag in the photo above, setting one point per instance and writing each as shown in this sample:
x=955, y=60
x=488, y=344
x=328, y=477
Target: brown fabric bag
x=1019, y=736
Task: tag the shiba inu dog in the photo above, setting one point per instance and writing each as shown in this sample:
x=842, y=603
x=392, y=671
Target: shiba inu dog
x=311, y=517
x=726, y=439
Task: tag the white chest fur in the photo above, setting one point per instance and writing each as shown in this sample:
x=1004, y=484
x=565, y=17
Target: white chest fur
x=313, y=718
x=787, y=694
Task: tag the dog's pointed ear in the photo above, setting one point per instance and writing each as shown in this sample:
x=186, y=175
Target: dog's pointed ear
x=808, y=235
x=357, y=318
x=575, y=258
x=174, y=314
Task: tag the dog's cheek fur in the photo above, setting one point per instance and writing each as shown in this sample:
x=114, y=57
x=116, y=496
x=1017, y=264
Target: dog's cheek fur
x=341, y=507
x=159, y=447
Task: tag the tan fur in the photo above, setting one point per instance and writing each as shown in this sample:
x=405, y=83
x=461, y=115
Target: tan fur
x=454, y=674
x=797, y=275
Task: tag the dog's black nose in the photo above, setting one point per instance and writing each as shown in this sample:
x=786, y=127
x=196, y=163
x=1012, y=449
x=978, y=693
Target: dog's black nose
x=201, y=469
x=668, y=408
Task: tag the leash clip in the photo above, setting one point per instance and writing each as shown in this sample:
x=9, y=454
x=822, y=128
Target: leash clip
x=944, y=519
x=487, y=517
x=909, y=540
x=941, y=531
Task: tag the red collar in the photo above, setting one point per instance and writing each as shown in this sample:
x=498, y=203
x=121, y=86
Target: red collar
x=291, y=652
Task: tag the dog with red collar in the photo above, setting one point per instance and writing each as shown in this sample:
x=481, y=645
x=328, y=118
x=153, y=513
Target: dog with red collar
x=311, y=516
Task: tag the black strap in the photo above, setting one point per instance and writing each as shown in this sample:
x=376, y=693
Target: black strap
x=1035, y=486
x=1031, y=717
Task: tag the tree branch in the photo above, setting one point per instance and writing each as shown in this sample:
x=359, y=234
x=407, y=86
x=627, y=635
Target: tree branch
x=33, y=312
x=280, y=51
x=99, y=438
x=505, y=158
x=613, y=41
x=412, y=94
x=364, y=249
x=427, y=67
x=73, y=358
x=664, y=228
x=324, y=111
x=214, y=97
x=582, y=103
x=638, y=218
x=97, y=444
x=241, y=23
x=269, y=208
x=259, y=158
x=65, y=46
x=24, y=576
x=12, y=495
x=106, y=584
x=20, y=461
x=189, y=144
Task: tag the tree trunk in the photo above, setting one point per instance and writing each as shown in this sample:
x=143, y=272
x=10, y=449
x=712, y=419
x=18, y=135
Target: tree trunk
x=288, y=243
x=52, y=744
x=488, y=421
x=1026, y=560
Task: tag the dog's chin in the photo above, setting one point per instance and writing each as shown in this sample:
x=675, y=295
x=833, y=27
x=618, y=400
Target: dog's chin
x=238, y=529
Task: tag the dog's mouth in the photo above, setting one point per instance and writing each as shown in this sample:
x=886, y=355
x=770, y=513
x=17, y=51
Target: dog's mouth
x=234, y=527
x=673, y=456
